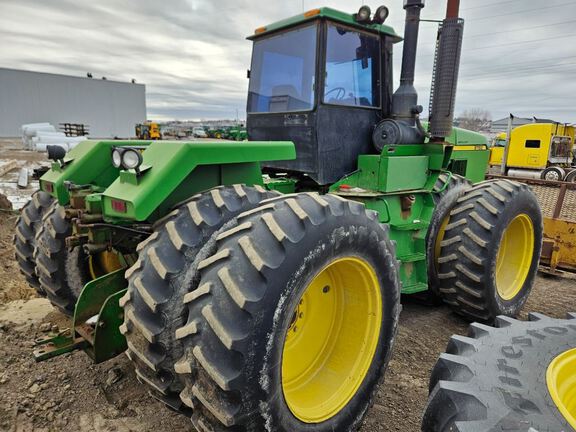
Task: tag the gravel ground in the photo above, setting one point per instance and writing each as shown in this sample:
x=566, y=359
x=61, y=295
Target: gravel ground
x=71, y=394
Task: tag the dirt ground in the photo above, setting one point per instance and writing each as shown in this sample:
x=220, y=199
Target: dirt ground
x=71, y=394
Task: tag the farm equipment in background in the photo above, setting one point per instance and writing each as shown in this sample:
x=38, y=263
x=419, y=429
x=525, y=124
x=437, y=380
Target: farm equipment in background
x=538, y=150
x=251, y=309
x=148, y=131
x=237, y=134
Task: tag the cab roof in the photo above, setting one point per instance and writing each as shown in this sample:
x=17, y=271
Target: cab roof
x=327, y=13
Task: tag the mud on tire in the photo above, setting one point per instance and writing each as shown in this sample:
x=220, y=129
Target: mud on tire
x=27, y=226
x=475, y=280
x=245, y=302
x=495, y=379
x=164, y=272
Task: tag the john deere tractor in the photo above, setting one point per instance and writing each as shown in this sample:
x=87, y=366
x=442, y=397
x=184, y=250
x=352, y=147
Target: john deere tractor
x=256, y=285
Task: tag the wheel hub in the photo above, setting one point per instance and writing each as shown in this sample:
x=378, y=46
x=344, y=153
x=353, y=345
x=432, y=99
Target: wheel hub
x=331, y=340
x=561, y=381
x=514, y=257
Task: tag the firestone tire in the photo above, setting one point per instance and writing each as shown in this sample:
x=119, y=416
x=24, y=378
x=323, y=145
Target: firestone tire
x=164, y=273
x=62, y=272
x=445, y=196
x=496, y=379
x=491, y=249
x=241, y=313
x=27, y=226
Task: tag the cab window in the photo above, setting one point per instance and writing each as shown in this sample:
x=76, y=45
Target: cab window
x=352, y=68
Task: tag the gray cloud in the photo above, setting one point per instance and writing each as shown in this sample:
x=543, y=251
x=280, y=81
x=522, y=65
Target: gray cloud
x=192, y=54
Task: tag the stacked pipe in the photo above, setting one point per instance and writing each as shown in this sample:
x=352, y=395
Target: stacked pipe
x=36, y=136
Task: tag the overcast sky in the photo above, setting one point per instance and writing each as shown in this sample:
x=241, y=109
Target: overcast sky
x=519, y=56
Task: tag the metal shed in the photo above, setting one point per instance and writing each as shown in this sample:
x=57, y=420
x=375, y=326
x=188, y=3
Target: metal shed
x=110, y=108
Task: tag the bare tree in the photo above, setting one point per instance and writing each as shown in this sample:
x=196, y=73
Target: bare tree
x=475, y=119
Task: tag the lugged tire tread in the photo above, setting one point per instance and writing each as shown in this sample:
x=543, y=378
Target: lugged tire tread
x=150, y=304
x=466, y=246
x=27, y=226
x=215, y=353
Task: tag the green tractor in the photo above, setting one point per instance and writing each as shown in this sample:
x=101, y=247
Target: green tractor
x=256, y=285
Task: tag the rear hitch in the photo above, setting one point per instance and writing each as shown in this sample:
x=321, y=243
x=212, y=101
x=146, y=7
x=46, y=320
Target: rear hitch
x=96, y=323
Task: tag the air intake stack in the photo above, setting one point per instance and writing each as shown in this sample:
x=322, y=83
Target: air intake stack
x=445, y=74
x=404, y=126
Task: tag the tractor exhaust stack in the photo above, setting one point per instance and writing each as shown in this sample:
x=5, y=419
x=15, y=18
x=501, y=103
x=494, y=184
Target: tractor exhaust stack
x=405, y=99
x=445, y=73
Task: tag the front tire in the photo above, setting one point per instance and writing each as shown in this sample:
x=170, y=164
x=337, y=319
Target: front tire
x=302, y=282
x=491, y=249
x=164, y=273
x=518, y=377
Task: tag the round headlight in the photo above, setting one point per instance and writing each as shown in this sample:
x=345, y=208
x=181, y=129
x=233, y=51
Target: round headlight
x=116, y=158
x=381, y=14
x=363, y=15
x=131, y=159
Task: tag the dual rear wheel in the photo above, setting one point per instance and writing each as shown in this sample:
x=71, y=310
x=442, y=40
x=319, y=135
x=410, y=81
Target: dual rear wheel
x=489, y=248
x=288, y=307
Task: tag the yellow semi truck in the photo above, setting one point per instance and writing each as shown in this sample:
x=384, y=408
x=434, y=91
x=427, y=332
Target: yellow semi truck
x=537, y=150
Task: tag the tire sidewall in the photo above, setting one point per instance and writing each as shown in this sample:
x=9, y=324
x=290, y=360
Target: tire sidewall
x=525, y=204
x=276, y=412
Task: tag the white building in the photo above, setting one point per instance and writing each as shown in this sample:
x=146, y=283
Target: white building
x=108, y=108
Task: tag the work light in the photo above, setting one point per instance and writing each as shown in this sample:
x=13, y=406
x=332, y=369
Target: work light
x=116, y=158
x=131, y=158
x=363, y=15
x=380, y=15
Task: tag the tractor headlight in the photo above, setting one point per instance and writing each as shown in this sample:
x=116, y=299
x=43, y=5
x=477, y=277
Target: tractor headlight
x=363, y=15
x=131, y=159
x=116, y=158
x=380, y=15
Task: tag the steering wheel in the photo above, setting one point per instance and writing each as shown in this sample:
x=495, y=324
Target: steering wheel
x=340, y=93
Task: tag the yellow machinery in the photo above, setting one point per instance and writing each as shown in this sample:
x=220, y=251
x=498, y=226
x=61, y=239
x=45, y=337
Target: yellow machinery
x=537, y=150
x=497, y=149
x=148, y=131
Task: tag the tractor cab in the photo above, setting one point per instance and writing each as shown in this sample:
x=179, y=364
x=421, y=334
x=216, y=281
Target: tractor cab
x=322, y=80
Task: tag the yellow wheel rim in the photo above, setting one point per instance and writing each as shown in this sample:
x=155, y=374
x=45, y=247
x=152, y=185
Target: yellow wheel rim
x=514, y=256
x=332, y=339
x=561, y=381
x=103, y=263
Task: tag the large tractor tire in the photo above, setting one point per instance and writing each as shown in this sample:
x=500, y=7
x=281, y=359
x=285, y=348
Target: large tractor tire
x=164, y=273
x=520, y=377
x=292, y=324
x=447, y=190
x=491, y=249
x=27, y=227
x=63, y=272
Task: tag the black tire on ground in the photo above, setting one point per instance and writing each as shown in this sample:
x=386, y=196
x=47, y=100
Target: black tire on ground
x=27, y=226
x=571, y=176
x=553, y=173
x=248, y=297
x=495, y=379
x=469, y=278
x=62, y=272
x=445, y=196
x=164, y=272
